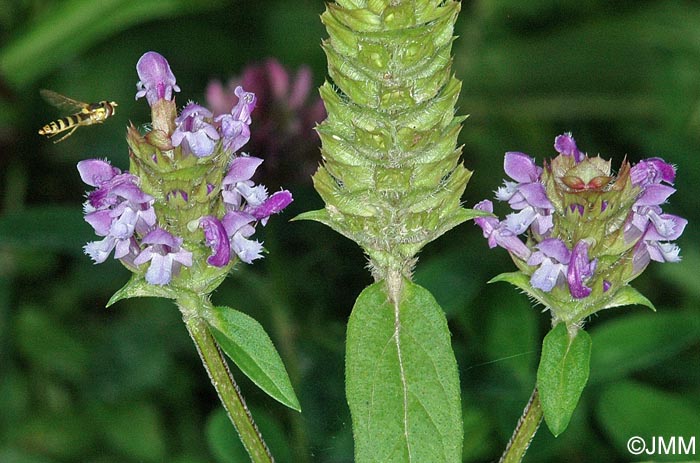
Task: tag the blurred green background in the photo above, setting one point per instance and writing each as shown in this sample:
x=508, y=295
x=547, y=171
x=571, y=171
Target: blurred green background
x=81, y=383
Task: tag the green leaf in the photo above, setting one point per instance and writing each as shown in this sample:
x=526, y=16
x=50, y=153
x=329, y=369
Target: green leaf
x=628, y=296
x=137, y=286
x=629, y=409
x=522, y=282
x=638, y=341
x=320, y=215
x=562, y=375
x=402, y=383
x=245, y=341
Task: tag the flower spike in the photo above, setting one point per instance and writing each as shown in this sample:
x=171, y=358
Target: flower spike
x=589, y=232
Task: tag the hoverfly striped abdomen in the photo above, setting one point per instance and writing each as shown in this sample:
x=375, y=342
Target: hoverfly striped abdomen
x=86, y=114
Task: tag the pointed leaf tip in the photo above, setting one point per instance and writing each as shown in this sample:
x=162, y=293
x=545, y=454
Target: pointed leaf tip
x=562, y=375
x=245, y=342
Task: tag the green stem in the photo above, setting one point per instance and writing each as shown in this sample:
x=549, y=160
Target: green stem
x=220, y=375
x=524, y=431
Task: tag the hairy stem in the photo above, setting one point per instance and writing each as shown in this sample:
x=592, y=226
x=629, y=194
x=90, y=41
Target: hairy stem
x=227, y=389
x=524, y=431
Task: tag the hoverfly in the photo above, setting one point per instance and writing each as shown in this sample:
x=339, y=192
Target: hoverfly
x=85, y=114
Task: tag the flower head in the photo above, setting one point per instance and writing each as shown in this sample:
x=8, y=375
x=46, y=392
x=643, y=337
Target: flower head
x=189, y=199
x=589, y=231
x=287, y=110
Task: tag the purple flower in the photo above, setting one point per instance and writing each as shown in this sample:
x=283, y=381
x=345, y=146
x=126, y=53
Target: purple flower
x=164, y=252
x=217, y=239
x=116, y=210
x=652, y=171
x=196, y=136
x=580, y=270
x=235, y=131
x=157, y=80
x=95, y=172
x=497, y=233
x=239, y=227
x=272, y=205
x=527, y=195
x=566, y=145
x=647, y=223
x=241, y=194
x=287, y=110
x=552, y=257
x=238, y=188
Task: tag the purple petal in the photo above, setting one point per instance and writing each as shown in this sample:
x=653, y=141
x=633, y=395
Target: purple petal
x=556, y=249
x=242, y=169
x=665, y=227
x=663, y=252
x=517, y=222
x=245, y=106
x=234, y=133
x=521, y=167
x=654, y=194
x=95, y=172
x=101, y=221
x=566, y=145
x=99, y=250
x=273, y=205
x=217, y=239
x=547, y=275
x=162, y=237
x=234, y=221
x=580, y=269
x=160, y=272
x=651, y=171
x=157, y=80
x=535, y=195
x=193, y=111
x=246, y=250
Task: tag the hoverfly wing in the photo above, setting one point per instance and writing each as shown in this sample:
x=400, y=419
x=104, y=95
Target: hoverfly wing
x=62, y=102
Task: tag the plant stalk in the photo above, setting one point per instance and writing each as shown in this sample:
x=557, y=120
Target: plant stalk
x=227, y=389
x=524, y=431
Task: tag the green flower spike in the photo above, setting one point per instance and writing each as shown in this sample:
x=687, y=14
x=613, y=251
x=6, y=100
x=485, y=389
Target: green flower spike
x=392, y=179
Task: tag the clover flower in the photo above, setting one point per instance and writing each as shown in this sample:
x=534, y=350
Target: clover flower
x=187, y=208
x=287, y=112
x=587, y=232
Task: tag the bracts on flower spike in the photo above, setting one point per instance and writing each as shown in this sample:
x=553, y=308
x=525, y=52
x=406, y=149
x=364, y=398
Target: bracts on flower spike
x=587, y=232
x=188, y=203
